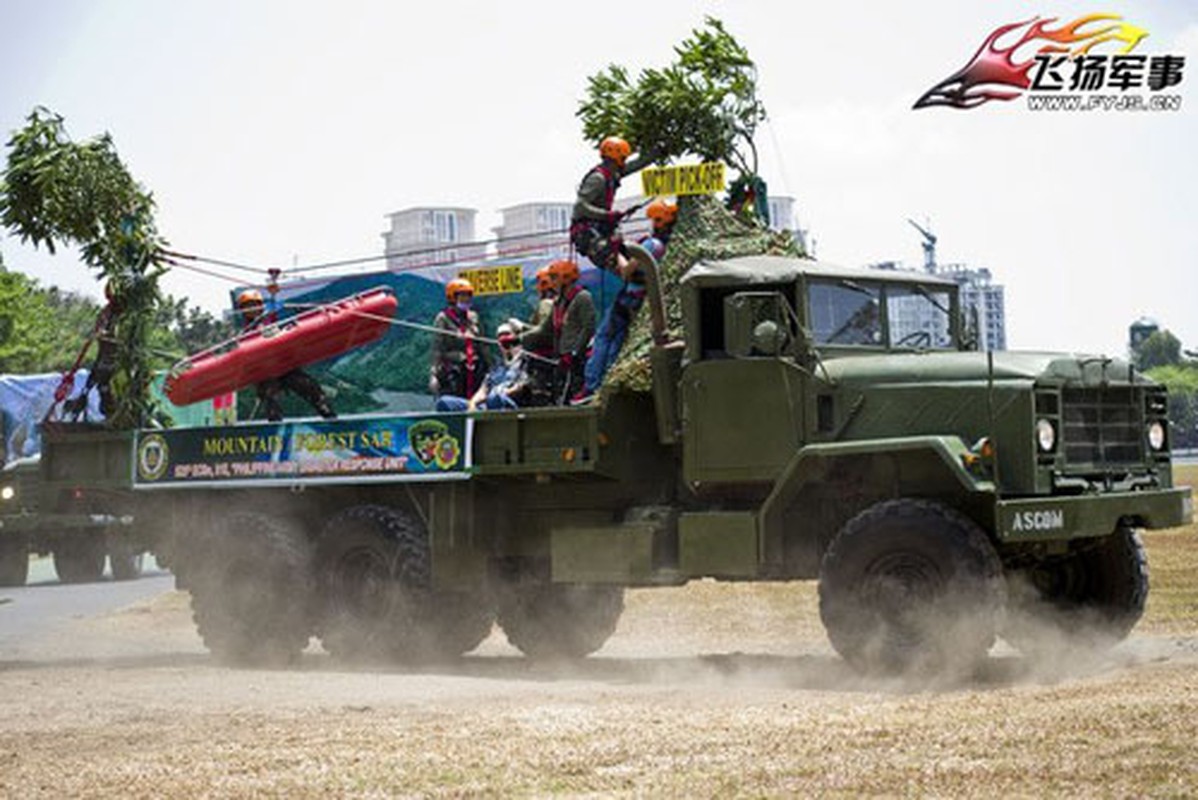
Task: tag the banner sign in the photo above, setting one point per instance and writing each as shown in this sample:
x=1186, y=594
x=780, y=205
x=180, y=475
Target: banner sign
x=683, y=179
x=495, y=280
x=416, y=448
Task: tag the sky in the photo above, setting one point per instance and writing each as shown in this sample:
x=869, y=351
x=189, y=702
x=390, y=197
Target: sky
x=282, y=133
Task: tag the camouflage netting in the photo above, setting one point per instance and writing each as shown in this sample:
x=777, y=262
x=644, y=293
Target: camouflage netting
x=705, y=231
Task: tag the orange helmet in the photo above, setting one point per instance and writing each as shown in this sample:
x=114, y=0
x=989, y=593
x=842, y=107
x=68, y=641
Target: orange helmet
x=615, y=148
x=544, y=280
x=249, y=297
x=662, y=213
x=456, y=287
x=564, y=272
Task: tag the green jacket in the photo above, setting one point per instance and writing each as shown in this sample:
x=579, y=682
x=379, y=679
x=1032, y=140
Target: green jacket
x=593, y=202
x=453, y=348
x=577, y=313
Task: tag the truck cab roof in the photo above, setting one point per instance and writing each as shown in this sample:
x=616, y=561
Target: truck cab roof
x=786, y=269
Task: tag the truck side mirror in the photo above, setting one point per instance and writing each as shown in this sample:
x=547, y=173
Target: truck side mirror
x=768, y=338
x=755, y=324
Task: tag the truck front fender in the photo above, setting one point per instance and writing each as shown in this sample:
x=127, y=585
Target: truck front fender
x=915, y=465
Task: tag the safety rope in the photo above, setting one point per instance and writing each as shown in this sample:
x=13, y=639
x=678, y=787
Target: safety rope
x=402, y=323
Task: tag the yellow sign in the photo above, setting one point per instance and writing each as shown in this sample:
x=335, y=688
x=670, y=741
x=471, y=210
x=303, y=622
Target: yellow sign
x=495, y=280
x=683, y=179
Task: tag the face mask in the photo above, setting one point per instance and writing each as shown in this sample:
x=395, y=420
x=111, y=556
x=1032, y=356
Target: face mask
x=463, y=305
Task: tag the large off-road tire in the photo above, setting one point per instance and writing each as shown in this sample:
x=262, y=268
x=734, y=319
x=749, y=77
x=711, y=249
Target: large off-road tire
x=14, y=561
x=79, y=558
x=376, y=595
x=125, y=559
x=250, y=591
x=1090, y=598
x=560, y=621
x=911, y=586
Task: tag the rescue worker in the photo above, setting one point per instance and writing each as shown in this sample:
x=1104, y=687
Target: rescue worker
x=255, y=314
x=546, y=292
x=104, y=367
x=568, y=330
x=593, y=226
x=458, y=362
x=612, y=330
x=662, y=215
x=508, y=385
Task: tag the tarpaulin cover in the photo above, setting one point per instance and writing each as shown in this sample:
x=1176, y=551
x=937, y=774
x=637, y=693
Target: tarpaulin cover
x=24, y=400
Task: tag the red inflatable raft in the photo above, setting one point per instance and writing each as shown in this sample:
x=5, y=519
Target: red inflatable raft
x=274, y=350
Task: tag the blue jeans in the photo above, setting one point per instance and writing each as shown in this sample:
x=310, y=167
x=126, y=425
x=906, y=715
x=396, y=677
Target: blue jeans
x=449, y=402
x=609, y=336
x=496, y=401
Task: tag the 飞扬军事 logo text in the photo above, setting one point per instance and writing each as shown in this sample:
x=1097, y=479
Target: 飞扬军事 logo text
x=1087, y=64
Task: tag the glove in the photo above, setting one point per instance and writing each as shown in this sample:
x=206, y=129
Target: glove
x=434, y=386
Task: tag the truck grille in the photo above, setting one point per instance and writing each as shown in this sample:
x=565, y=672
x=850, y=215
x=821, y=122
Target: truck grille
x=1102, y=426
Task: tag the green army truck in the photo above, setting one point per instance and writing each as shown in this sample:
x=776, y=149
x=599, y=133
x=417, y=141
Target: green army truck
x=78, y=543
x=811, y=422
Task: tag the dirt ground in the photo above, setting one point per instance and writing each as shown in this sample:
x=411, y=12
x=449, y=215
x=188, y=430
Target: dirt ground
x=711, y=690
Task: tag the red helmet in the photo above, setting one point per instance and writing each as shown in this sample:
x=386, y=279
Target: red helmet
x=544, y=280
x=457, y=286
x=564, y=272
x=662, y=213
x=616, y=149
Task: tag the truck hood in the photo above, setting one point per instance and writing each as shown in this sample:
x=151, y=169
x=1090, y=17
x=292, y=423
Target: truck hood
x=942, y=367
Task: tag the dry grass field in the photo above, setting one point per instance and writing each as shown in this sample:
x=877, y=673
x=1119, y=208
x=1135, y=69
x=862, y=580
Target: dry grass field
x=708, y=690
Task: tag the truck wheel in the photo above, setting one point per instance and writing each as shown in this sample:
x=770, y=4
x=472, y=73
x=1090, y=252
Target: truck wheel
x=1092, y=597
x=560, y=621
x=125, y=559
x=911, y=585
x=80, y=558
x=14, y=561
x=376, y=575
x=247, y=591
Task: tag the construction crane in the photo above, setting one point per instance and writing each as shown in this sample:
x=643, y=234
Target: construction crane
x=928, y=244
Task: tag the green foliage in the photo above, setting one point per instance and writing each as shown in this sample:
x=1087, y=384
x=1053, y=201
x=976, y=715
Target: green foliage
x=704, y=104
x=26, y=330
x=1182, y=382
x=1160, y=349
x=57, y=192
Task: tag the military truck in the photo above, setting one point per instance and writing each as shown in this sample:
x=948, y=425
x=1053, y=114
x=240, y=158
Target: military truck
x=810, y=422
x=78, y=543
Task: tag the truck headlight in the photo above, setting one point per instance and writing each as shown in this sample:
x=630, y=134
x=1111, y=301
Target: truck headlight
x=7, y=493
x=1046, y=435
x=1156, y=435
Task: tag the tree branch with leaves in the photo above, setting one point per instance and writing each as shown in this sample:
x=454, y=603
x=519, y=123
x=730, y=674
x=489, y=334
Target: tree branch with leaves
x=56, y=192
x=704, y=104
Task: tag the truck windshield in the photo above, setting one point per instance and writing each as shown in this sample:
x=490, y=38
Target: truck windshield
x=845, y=313
x=918, y=317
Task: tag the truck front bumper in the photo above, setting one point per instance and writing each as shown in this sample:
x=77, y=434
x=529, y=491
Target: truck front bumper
x=1079, y=516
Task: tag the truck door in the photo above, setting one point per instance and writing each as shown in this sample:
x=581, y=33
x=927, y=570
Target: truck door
x=742, y=401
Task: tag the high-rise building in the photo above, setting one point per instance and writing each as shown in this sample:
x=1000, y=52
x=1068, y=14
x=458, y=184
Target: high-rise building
x=534, y=229
x=980, y=295
x=428, y=235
